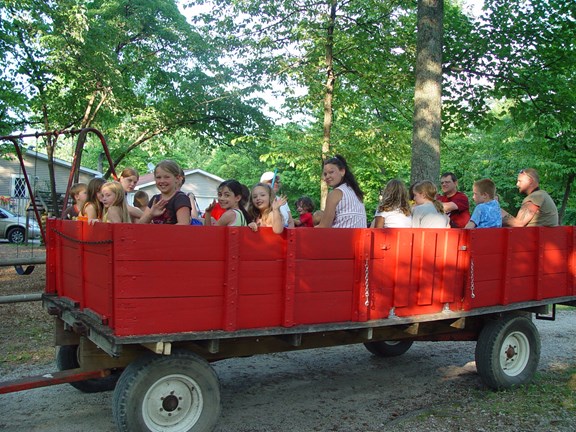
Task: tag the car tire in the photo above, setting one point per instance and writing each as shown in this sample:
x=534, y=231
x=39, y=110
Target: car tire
x=16, y=235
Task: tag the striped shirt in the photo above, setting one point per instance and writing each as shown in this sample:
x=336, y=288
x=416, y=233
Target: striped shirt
x=350, y=211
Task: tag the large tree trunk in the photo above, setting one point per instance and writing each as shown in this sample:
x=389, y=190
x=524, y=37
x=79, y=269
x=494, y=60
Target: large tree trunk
x=567, y=189
x=328, y=96
x=428, y=92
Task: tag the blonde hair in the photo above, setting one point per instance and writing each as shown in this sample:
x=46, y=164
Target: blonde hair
x=429, y=190
x=253, y=211
x=395, y=197
x=120, y=201
x=486, y=186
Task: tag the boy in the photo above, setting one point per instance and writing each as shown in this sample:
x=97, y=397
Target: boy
x=487, y=212
x=79, y=194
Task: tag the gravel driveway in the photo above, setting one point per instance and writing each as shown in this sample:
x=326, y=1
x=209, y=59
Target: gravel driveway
x=334, y=389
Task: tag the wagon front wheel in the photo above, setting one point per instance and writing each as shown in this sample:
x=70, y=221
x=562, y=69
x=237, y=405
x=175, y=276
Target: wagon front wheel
x=172, y=393
x=508, y=352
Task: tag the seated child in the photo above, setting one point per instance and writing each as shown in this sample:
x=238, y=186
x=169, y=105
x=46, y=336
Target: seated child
x=114, y=200
x=305, y=207
x=428, y=212
x=92, y=209
x=265, y=209
x=230, y=198
x=487, y=212
x=79, y=194
x=394, y=207
x=141, y=200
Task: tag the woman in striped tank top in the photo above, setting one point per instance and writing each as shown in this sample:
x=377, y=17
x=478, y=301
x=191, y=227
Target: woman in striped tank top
x=344, y=204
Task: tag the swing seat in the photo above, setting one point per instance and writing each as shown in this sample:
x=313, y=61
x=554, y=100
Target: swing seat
x=21, y=271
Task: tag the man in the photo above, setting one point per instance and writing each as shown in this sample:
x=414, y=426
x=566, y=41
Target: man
x=269, y=177
x=537, y=209
x=456, y=204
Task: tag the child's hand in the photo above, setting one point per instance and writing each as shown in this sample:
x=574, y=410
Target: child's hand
x=158, y=207
x=210, y=207
x=279, y=202
x=253, y=226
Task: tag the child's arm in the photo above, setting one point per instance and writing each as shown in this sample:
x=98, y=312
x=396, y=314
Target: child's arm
x=183, y=216
x=114, y=215
x=158, y=207
x=277, y=219
x=470, y=225
x=90, y=210
x=379, y=222
x=208, y=213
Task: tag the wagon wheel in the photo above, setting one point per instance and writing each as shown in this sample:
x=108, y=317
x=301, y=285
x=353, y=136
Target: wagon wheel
x=67, y=358
x=388, y=348
x=172, y=393
x=508, y=352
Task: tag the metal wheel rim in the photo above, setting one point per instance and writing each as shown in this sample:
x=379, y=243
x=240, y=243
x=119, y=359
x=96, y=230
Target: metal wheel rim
x=172, y=404
x=515, y=353
x=17, y=236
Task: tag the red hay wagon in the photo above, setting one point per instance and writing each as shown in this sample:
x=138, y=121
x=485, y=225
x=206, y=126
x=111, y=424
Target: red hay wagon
x=144, y=309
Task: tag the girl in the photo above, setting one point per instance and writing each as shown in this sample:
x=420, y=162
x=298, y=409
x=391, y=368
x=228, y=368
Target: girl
x=305, y=207
x=170, y=206
x=428, y=211
x=344, y=204
x=92, y=209
x=230, y=198
x=129, y=178
x=265, y=209
x=394, y=207
x=115, y=207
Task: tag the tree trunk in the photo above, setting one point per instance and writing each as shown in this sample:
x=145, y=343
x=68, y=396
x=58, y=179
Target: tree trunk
x=328, y=96
x=428, y=92
x=567, y=189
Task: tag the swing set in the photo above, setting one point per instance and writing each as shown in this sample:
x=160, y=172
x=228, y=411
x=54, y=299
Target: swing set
x=26, y=265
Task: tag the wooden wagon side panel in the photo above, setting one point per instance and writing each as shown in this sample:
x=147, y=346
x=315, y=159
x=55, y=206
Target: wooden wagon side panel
x=519, y=264
x=168, y=279
x=70, y=256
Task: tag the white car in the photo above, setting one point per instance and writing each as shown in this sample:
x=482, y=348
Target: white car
x=13, y=227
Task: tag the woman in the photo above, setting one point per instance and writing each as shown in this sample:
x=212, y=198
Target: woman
x=344, y=204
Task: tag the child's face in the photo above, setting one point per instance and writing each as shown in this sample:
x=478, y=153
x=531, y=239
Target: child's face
x=81, y=196
x=128, y=183
x=333, y=175
x=227, y=199
x=479, y=197
x=261, y=197
x=166, y=182
x=108, y=197
x=419, y=198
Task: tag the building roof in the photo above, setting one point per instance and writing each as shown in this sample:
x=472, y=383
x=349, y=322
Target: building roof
x=61, y=162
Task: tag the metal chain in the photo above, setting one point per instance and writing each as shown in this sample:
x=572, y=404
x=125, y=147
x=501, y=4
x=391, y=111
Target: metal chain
x=366, y=285
x=72, y=239
x=472, y=278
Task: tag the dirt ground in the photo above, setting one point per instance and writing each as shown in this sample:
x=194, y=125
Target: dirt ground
x=433, y=387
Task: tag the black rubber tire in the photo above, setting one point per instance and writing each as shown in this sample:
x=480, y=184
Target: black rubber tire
x=67, y=358
x=388, y=348
x=179, y=392
x=508, y=352
x=16, y=235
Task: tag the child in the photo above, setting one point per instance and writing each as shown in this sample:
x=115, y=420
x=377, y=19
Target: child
x=92, y=209
x=230, y=198
x=79, y=194
x=140, y=200
x=129, y=178
x=265, y=209
x=170, y=206
x=487, y=213
x=114, y=200
x=305, y=207
x=428, y=211
x=394, y=207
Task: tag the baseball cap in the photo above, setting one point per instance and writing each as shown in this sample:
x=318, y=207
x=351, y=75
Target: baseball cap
x=266, y=177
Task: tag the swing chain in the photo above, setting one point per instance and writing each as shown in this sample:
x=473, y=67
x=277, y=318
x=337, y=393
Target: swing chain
x=75, y=240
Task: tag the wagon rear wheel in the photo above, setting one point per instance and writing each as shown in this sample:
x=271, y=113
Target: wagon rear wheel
x=388, y=348
x=67, y=358
x=176, y=393
x=508, y=352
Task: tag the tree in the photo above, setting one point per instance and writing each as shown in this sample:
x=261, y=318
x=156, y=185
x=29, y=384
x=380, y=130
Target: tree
x=428, y=92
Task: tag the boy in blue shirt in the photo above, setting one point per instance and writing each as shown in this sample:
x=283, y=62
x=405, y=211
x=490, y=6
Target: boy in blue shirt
x=487, y=212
